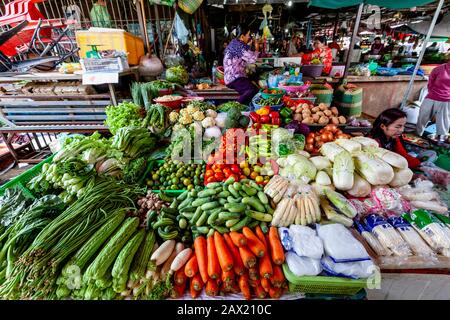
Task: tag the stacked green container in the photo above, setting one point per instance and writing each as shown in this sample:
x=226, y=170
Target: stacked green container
x=323, y=93
x=348, y=101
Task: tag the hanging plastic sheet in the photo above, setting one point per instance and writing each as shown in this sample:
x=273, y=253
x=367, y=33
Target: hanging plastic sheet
x=180, y=30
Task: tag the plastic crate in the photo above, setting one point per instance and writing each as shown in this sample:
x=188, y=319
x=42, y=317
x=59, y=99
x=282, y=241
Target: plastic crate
x=104, y=65
x=21, y=180
x=322, y=284
x=108, y=40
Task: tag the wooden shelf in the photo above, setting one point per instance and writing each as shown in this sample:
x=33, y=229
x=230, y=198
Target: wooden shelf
x=46, y=97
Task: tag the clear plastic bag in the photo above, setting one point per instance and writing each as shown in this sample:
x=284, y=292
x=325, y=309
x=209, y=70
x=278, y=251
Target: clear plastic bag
x=303, y=266
x=354, y=270
x=306, y=243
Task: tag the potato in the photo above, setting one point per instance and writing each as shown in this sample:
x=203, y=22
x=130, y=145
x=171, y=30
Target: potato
x=324, y=120
x=335, y=120
x=315, y=117
x=298, y=117
x=342, y=120
x=308, y=121
x=328, y=113
x=323, y=106
x=334, y=110
x=305, y=106
x=320, y=114
x=306, y=112
x=315, y=109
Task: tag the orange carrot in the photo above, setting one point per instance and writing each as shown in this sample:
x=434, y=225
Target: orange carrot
x=265, y=283
x=224, y=255
x=260, y=235
x=202, y=256
x=227, y=276
x=276, y=248
x=235, y=287
x=248, y=258
x=197, y=282
x=253, y=243
x=179, y=277
x=244, y=286
x=275, y=293
x=194, y=293
x=265, y=266
x=260, y=292
x=213, y=260
x=253, y=283
x=253, y=273
x=178, y=290
x=212, y=289
x=191, y=267
x=277, y=278
x=224, y=289
x=238, y=265
x=238, y=239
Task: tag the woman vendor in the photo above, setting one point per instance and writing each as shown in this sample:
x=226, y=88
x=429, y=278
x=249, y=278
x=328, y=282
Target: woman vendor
x=387, y=131
x=321, y=52
x=236, y=58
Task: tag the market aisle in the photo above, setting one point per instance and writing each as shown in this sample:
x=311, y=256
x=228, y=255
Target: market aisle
x=412, y=287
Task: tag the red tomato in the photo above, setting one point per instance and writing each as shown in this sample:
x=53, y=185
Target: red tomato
x=309, y=147
x=210, y=179
x=219, y=176
x=235, y=169
x=209, y=173
x=310, y=140
x=227, y=172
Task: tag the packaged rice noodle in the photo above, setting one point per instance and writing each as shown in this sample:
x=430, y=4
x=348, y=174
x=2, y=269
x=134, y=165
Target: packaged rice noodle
x=415, y=242
x=387, y=235
x=373, y=242
x=433, y=229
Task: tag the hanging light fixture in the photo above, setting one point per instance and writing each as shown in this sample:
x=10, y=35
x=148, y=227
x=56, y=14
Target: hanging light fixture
x=289, y=4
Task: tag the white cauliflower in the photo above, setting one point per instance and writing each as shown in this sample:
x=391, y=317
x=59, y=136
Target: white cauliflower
x=173, y=117
x=208, y=122
x=185, y=119
x=184, y=111
x=192, y=109
x=199, y=116
x=211, y=113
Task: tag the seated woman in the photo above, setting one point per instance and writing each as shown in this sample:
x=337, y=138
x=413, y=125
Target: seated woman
x=387, y=131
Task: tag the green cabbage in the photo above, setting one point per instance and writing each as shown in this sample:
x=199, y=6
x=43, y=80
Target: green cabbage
x=178, y=75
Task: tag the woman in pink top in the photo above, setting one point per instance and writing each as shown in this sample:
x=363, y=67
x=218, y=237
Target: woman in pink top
x=437, y=102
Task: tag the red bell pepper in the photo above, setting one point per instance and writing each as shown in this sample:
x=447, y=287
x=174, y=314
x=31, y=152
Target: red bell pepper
x=276, y=121
x=255, y=117
x=274, y=114
x=265, y=119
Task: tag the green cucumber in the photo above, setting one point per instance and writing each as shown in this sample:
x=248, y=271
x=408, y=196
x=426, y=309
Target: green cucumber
x=263, y=198
x=206, y=193
x=253, y=224
x=230, y=199
x=233, y=191
x=213, y=185
x=221, y=230
x=260, y=216
x=235, y=207
x=202, y=219
x=210, y=205
x=224, y=194
x=210, y=233
x=237, y=186
x=182, y=223
x=201, y=201
x=203, y=230
x=253, y=184
x=269, y=209
x=196, y=215
x=231, y=222
x=188, y=215
x=254, y=202
x=242, y=223
x=264, y=227
x=229, y=215
x=175, y=203
x=222, y=201
x=169, y=210
x=212, y=217
x=182, y=196
x=249, y=190
x=229, y=181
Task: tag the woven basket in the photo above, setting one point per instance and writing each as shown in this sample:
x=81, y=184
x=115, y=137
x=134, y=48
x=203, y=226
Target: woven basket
x=189, y=6
x=349, y=109
x=343, y=95
x=322, y=93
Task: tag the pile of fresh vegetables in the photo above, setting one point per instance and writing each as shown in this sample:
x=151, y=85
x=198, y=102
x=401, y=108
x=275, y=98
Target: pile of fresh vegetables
x=315, y=140
x=264, y=115
x=123, y=115
x=176, y=175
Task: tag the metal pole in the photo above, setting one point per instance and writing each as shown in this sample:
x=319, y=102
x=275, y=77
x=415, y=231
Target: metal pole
x=352, y=42
x=158, y=31
x=422, y=52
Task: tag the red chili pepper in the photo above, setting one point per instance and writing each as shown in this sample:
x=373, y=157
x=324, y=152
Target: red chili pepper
x=256, y=126
x=255, y=117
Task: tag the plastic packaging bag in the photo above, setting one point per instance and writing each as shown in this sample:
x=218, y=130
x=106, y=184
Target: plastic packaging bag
x=437, y=175
x=306, y=243
x=387, y=198
x=373, y=242
x=415, y=242
x=285, y=238
x=340, y=244
x=303, y=266
x=354, y=270
x=387, y=235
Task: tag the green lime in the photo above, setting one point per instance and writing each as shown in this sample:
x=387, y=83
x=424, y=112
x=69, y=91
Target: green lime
x=175, y=180
x=155, y=177
x=190, y=187
x=186, y=181
x=150, y=183
x=196, y=181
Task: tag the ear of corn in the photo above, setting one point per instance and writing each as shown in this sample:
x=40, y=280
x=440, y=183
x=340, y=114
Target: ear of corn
x=123, y=261
x=108, y=254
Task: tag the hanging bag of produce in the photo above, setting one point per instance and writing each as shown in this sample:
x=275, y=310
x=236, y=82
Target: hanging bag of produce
x=189, y=6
